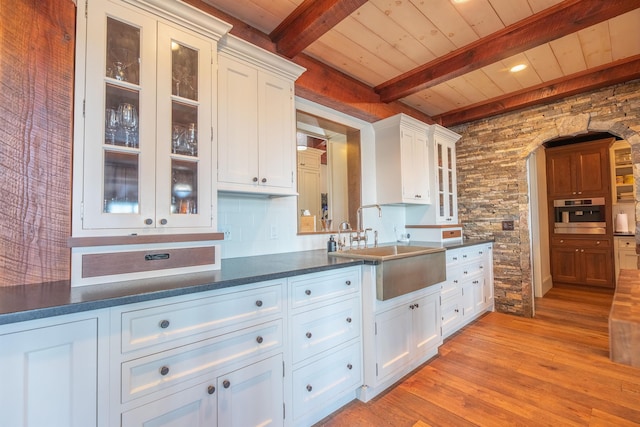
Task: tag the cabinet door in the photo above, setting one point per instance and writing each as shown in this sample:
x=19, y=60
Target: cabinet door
x=183, y=163
x=426, y=324
x=591, y=171
x=565, y=264
x=49, y=376
x=446, y=183
x=597, y=266
x=252, y=396
x=393, y=341
x=237, y=122
x=120, y=114
x=277, y=131
x=468, y=302
x=451, y=316
x=414, y=154
x=560, y=178
x=193, y=407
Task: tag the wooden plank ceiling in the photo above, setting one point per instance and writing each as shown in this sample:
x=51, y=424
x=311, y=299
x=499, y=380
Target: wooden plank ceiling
x=446, y=61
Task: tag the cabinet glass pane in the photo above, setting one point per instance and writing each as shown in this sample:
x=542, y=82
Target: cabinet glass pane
x=184, y=71
x=121, y=116
x=449, y=158
x=440, y=180
x=123, y=52
x=441, y=205
x=184, y=187
x=184, y=129
x=450, y=203
x=120, y=182
x=450, y=181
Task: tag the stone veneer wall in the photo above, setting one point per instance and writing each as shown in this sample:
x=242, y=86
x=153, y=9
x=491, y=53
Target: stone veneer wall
x=492, y=174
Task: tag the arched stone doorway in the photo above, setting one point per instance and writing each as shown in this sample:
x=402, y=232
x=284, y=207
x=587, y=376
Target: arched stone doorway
x=569, y=127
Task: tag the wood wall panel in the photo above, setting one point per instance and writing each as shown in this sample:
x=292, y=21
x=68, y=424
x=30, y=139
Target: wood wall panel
x=36, y=97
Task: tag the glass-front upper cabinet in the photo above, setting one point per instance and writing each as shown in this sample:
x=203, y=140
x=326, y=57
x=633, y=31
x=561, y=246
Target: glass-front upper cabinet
x=446, y=181
x=148, y=123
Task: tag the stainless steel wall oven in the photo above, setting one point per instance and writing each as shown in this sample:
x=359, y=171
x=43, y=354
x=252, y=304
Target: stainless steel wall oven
x=580, y=216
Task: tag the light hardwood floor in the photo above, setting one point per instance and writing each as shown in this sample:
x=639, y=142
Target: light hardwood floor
x=552, y=370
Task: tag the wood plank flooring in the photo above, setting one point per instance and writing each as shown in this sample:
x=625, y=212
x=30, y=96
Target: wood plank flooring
x=504, y=370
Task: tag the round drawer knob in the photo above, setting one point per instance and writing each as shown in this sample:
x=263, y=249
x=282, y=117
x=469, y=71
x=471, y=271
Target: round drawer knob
x=164, y=370
x=308, y=292
x=148, y=221
x=349, y=366
x=348, y=319
x=163, y=221
x=259, y=303
x=255, y=179
x=348, y=282
x=259, y=339
x=308, y=334
x=226, y=384
x=417, y=305
x=309, y=388
x=264, y=180
x=164, y=324
x=211, y=389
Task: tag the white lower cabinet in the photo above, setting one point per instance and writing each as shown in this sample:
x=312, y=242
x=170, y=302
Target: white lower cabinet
x=409, y=331
x=200, y=359
x=49, y=372
x=325, y=341
x=221, y=401
x=468, y=291
x=399, y=334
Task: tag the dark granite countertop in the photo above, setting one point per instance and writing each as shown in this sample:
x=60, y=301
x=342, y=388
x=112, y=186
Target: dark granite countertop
x=28, y=302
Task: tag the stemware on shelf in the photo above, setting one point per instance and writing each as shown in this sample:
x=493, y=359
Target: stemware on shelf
x=129, y=120
x=111, y=125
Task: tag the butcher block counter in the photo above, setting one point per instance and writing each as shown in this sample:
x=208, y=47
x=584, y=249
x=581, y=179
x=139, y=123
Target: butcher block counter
x=624, y=320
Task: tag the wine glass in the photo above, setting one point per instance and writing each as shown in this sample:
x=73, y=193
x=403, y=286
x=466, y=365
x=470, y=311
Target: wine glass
x=111, y=125
x=129, y=121
x=192, y=138
x=176, y=138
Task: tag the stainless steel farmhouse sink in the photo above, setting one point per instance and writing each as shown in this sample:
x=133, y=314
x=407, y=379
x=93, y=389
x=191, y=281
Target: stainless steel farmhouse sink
x=402, y=269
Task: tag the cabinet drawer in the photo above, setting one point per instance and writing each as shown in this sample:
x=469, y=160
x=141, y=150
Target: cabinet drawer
x=582, y=243
x=319, y=382
x=167, y=323
x=318, y=330
x=162, y=370
x=450, y=288
x=626, y=243
x=318, y=287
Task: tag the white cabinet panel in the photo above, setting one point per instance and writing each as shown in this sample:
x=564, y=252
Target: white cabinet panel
x=252, y=396
x=256, y=121
x=49, y=376
x=402, y=161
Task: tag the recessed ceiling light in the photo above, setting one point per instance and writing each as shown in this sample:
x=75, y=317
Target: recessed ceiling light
x=517, y=68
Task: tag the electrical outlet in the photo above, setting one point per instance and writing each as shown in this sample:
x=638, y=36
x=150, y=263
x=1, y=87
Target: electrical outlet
x=507, y=225
x=227, y=232
x=273, y=232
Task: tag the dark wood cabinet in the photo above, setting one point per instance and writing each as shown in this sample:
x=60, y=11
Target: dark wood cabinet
x=583, y=261
x=579, y=170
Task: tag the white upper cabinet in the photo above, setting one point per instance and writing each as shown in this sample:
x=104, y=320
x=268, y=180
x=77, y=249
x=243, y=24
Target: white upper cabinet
x=445, y=182
x=402, y=161
x=145, y=104
x=256, y=120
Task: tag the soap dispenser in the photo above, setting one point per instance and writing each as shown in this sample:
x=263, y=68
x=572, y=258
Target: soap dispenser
x=331, y=244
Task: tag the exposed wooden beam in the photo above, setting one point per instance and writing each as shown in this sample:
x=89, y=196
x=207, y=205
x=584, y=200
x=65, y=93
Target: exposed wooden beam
x=321, y=83
x=550, y=24
x=617, y=72
x=310, y=20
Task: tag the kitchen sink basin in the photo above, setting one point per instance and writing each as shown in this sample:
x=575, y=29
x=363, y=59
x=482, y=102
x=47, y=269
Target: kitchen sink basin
x=402, y=269
x=385, y=253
